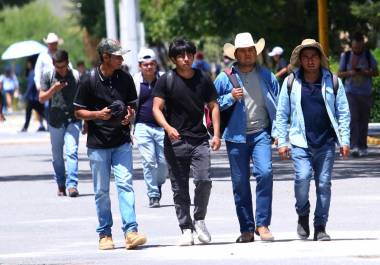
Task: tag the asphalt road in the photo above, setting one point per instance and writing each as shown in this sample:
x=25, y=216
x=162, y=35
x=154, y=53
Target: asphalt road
x=37, y=227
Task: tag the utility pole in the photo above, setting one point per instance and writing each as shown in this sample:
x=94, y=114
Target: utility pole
x=110, y=19
x=323, y=26
x=128, y=32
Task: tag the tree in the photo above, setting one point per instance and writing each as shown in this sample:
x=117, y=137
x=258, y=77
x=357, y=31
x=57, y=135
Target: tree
x=9, y=3
x=33, y=21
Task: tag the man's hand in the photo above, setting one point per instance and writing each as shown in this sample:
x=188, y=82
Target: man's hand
x=173, y=134
x=283, y=152
x=104, y=114
x=345, y=151
x=58, y=86
x=130, y=115
x=215, y=143
x=237, y=93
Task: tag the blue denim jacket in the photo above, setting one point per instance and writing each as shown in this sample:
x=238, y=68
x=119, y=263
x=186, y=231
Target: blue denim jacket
x=236, y=128
x=337, y=110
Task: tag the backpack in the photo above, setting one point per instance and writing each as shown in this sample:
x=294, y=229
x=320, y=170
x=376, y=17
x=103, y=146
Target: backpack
x=347, y=55
x=225, y=115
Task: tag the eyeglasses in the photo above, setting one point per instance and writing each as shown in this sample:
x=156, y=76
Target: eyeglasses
x=60, y=65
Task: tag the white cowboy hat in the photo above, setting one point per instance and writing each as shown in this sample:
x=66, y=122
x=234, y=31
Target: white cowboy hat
x=243, y=40
x=307, y=43
x=52, y=38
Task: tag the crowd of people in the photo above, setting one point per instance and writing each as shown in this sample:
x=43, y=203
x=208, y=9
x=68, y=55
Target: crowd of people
x=301, y=107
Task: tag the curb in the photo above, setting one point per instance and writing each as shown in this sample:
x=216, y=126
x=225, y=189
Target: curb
x=373, y=140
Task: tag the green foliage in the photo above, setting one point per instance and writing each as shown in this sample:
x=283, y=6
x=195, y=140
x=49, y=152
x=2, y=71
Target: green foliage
x=375, y=113
x=4, y=3
x=33, y=21
x=91, y=16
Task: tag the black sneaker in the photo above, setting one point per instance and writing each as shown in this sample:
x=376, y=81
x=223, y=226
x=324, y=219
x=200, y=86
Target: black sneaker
x=159, y=190
x=154, y=202
x=303, y=229
x=320, y=234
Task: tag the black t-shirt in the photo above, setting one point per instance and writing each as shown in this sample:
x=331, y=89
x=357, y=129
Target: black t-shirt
x=100, y=94
x=184, y=102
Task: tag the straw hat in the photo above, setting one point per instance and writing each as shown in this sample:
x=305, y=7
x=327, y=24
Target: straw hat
x=243, y=40
x=307, y=43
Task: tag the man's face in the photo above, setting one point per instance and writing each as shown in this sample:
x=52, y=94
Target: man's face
x=61, y=68
x=52, y=47
x=310, y=60
x=246, y=56
x=113, y=61
x=357, y=46
x=184, y=61
x=148, y=68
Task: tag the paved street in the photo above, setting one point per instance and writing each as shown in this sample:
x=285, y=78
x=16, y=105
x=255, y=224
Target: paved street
x=37, y=227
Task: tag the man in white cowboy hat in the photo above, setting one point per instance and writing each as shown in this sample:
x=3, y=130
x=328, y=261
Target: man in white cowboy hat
x=44, y=61
x=248, y=134
x=316, y=105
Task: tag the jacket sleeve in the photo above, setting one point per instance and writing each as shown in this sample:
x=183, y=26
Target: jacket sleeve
x=223, y=88
x=342, y=113
x=282, y=116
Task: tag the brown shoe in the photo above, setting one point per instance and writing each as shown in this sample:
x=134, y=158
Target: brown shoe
x=61, y=191
x=106, y=243
x=134, y=239
x=246, y=237
x=264, y=233
x=73, y=192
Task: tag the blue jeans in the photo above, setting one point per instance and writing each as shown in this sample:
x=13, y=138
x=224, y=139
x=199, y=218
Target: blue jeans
x=150, y=142
x=321, y=161
x=258, y=149
x=67, y=137
x=102, y=161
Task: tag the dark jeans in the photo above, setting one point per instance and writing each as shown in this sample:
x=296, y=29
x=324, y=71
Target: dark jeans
x=360, y=108
x=182, y=156
x=33, y=105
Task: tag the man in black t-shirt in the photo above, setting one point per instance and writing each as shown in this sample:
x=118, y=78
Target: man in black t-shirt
x=105, y=99
x=183, y=93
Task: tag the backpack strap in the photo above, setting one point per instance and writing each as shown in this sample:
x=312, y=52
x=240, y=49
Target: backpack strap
x=170, y=80
x=289, y=84
x=232, y=77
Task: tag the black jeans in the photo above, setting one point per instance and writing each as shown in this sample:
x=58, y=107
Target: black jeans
x=360, y=109
x=182, y=156
x=33, y=105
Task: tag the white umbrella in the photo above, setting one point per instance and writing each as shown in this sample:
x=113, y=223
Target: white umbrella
x=23, y=49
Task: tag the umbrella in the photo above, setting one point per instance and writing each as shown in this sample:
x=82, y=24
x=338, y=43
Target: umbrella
x=23, y=49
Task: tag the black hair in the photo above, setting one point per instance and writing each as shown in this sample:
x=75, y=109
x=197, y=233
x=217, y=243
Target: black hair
x=180, y=46
x=60, y=56
x=358, y=36
x=80, y=63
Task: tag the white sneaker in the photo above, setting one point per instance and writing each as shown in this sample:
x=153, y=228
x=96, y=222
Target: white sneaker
x=363, y=152
x=355, y=152
x=202, y=232
x=186, y=238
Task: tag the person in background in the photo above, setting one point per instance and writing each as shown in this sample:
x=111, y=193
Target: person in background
x=280, y=64
x=106, y=100
x=319, y=118
x=148, y=134
x=201, y=64
x=358, y=67
x=31, y=97
x=81, y=67
x=9, y=86
x=59, y=86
